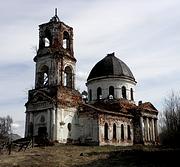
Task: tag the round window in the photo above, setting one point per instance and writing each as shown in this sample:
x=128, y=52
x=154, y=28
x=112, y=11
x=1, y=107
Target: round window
x=42, y=119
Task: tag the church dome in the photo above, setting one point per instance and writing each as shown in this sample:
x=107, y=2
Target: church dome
x=111, y=66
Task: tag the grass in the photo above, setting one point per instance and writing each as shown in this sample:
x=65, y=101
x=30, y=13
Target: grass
x=90, y=156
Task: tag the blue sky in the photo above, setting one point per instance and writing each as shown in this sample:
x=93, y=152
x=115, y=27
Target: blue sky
x=143, y=34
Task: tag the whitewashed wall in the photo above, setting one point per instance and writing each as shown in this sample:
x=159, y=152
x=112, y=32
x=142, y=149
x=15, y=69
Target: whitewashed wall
x=117, y=83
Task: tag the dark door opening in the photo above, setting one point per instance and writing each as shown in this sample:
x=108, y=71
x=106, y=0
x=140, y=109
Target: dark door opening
x=42, y=132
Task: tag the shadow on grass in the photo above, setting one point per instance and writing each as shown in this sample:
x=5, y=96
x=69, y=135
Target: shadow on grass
x=135, y=158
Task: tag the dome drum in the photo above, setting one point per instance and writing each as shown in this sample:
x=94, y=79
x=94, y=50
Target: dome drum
x=111, y=78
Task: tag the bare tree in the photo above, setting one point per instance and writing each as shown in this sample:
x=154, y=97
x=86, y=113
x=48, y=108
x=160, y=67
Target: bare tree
x=5, y=126
x=170, y=120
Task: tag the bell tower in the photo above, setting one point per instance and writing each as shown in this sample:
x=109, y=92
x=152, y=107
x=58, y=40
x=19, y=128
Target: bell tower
x=55, y=62
x=53, y=103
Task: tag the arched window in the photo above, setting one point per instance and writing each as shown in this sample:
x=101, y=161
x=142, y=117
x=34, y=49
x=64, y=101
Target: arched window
x=106, y=131
x=129, y=132
x=45, y=39
x=68, y=77
x=43, y=76
x=124, y=92
x=99, y=93
x=90, y=95
x=114, y=131
x=46, y=42
x=69, y=126
x=132, y=96
x=111, y=91
x=66, y=41
x=122, y=132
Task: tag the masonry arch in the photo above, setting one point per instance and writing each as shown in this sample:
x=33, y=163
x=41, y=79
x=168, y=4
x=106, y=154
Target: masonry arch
x=111, y=91
x=68, y=77
x=129, y=132
x=66, y=40
x=45, y=39
x=106, y=131
x=43, y=76
x=99, y=93
x=122, y=132
x=124, y=92
x=114, y=132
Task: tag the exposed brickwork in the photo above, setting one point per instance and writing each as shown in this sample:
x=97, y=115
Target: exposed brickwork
x=68, y=97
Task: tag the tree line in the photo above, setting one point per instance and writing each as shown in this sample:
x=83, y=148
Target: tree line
x=5, y=127
x=169, y=120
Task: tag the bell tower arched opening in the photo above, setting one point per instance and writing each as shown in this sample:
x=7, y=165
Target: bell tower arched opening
x=68, y=77
x=43, y=76
x=66, y=40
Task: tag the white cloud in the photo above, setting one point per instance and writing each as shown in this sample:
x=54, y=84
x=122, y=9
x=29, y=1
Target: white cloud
x=15, y=125
x=18, y=128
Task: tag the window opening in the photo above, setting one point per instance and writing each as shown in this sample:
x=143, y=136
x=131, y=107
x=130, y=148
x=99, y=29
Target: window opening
x=132, y=97
x=90, y=95
x=129, y=132
x=69, y=126
x=43, y=76
x=99, y=93
x=68, y=77
x=122, y=132
x=114, y=131
x=124, y=92
x=106, y=131
x=47, y=42
x=66, y=41
x=111, y=91
x=45, y=83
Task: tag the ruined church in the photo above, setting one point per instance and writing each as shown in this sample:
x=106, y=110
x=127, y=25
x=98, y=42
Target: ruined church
x=109, y=115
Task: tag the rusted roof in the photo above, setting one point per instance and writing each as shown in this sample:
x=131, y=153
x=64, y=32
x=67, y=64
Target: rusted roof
x=90, y=108
x=147, y=106
x=121, y=105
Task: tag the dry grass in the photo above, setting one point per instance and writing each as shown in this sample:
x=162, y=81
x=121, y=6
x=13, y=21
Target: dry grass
x=89, y=156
